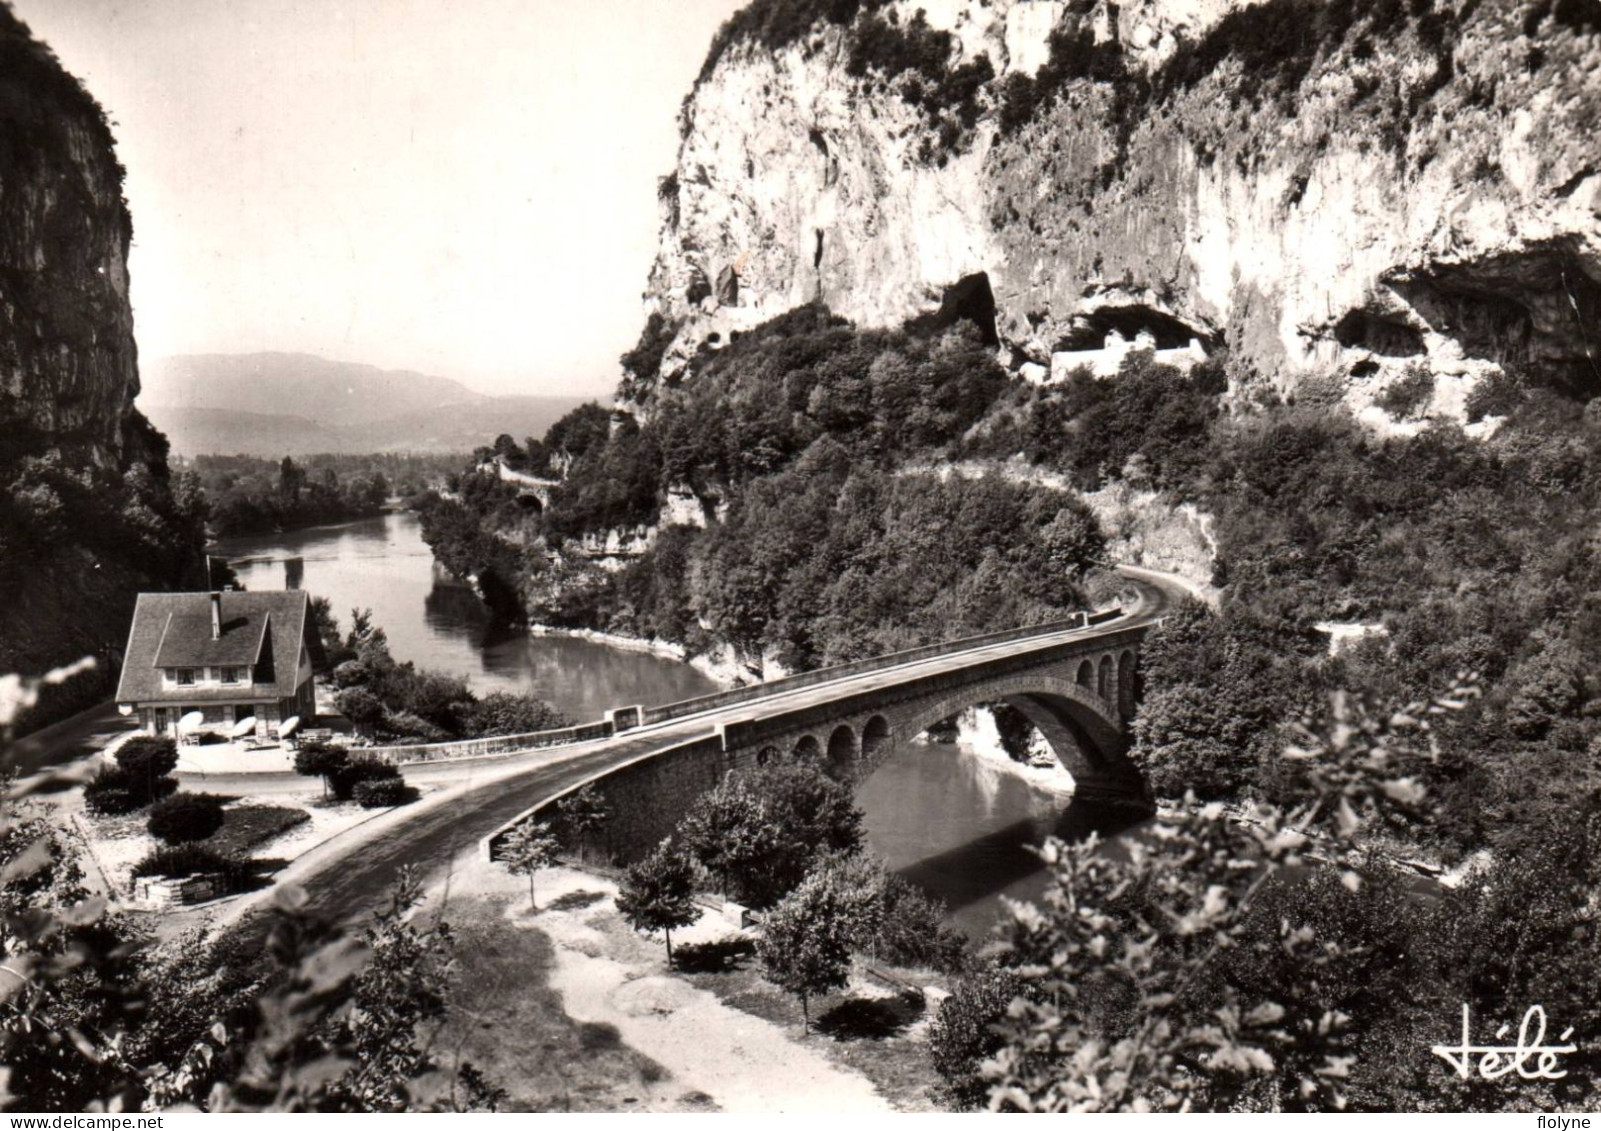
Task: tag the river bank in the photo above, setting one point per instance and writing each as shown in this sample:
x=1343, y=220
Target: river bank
x=722, y=672
x=960, y=821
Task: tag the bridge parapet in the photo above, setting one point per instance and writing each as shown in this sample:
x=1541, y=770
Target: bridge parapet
x=754, y=691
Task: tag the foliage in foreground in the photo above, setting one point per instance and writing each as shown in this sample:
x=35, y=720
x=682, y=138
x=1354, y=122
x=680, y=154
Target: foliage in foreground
x=1220, y=966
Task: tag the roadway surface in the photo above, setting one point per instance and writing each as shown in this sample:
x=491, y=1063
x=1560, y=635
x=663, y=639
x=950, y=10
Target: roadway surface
x=347, y=876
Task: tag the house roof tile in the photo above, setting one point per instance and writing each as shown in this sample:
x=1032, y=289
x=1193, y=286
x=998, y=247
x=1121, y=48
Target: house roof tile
x=173, y=630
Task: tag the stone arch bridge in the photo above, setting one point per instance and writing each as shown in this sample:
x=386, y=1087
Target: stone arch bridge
x=1077, y=681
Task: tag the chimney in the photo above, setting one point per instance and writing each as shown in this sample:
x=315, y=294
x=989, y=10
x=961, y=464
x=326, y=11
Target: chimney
x=216, y=616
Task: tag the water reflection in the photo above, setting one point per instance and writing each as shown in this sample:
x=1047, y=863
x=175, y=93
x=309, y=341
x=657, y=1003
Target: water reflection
x=961, y=827
x=383, y=564
x=952, y=821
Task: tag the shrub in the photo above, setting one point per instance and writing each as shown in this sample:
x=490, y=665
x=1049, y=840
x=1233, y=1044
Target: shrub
x=245, y=826
x=913, y=930
x=382, y=793
x=412, y=727
x=107, y=799
x=351, y=673
x=1498, y=394
x=176, y=862
x=148, y=757
x=501, y=712
x=115, y=791
x=320, y=760
x=345, y=779
x=361, y=707
x=963, y=1034
x=1408, y=396
x=186, y=817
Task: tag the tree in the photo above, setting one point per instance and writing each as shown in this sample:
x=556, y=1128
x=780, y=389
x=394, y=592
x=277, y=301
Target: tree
x=805, y=948
x=320, y=760
x=964, y=1033
x=581, y=813
x=727, y=831
x=401, y=987
x=528, y=848
x=334, y=651
x=1122, y=1006
x=364, y=709
x=186, y=817
x=760, y=830
x=291, y=480
x=658, y=893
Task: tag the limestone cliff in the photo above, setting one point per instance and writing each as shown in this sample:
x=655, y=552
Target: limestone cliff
x=68, y=366
x=87, y=512
x=1328, y=188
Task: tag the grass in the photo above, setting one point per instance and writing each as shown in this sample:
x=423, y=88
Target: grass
x=879, y=1037
x=247, y=826
x=506, y=1021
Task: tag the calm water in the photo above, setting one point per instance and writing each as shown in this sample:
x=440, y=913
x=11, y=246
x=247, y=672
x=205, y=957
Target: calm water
x=383, y=564
x=956, y=823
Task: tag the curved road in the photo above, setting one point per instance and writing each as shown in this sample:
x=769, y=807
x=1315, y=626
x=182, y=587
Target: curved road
x=351, y=873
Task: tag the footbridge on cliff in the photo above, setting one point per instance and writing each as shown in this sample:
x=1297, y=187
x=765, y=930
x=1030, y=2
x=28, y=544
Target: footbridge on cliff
x=1076, y=680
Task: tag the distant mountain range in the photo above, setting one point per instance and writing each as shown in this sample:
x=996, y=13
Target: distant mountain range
x=275, y=404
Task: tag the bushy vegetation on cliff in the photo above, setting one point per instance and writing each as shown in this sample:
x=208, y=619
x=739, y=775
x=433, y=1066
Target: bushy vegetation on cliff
x=827, y=548
x=1471, y=555
x=77, y=544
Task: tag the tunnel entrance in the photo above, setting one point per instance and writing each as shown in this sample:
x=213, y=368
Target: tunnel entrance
x=969, y=299
x=1129, y=321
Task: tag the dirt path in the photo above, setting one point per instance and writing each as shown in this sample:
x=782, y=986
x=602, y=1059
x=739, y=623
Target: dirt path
x=613, y=977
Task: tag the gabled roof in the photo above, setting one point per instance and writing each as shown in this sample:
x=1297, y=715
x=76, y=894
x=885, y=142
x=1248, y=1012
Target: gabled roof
x=173, y=630
x=186, y=639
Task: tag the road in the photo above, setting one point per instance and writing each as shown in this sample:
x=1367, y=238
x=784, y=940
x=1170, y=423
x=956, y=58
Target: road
x=346, y=877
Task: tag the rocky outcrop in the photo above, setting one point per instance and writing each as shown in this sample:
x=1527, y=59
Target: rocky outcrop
x=1330, y=188
x=68, y=366
x=88, y=517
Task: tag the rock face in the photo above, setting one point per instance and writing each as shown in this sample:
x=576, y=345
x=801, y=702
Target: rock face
x=68, y=366
x=1331, y=189
x=88, y=514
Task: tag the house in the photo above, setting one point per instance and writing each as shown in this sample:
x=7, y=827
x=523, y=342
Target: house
x=230, y=656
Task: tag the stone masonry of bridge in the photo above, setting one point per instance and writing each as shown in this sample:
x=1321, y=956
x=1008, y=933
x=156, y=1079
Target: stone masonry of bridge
x=1080, y=694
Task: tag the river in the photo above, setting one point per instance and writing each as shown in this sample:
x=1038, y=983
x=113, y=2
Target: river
x=955, y=822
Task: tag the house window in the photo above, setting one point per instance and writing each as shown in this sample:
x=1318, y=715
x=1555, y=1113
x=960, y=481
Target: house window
x=230, y=675
x=186, y=677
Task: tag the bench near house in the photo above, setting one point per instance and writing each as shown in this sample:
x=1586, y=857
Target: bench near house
x=230, y=656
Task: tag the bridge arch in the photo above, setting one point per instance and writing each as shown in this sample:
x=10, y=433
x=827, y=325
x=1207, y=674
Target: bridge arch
x=842, y=748
x=808, y=749
x=1086, y=674
x=1105, y=678
x=1082, y=728
x=876, y=740
x=1126, y=689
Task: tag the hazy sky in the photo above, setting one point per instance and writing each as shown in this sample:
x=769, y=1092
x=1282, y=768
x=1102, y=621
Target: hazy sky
x=462, y=187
